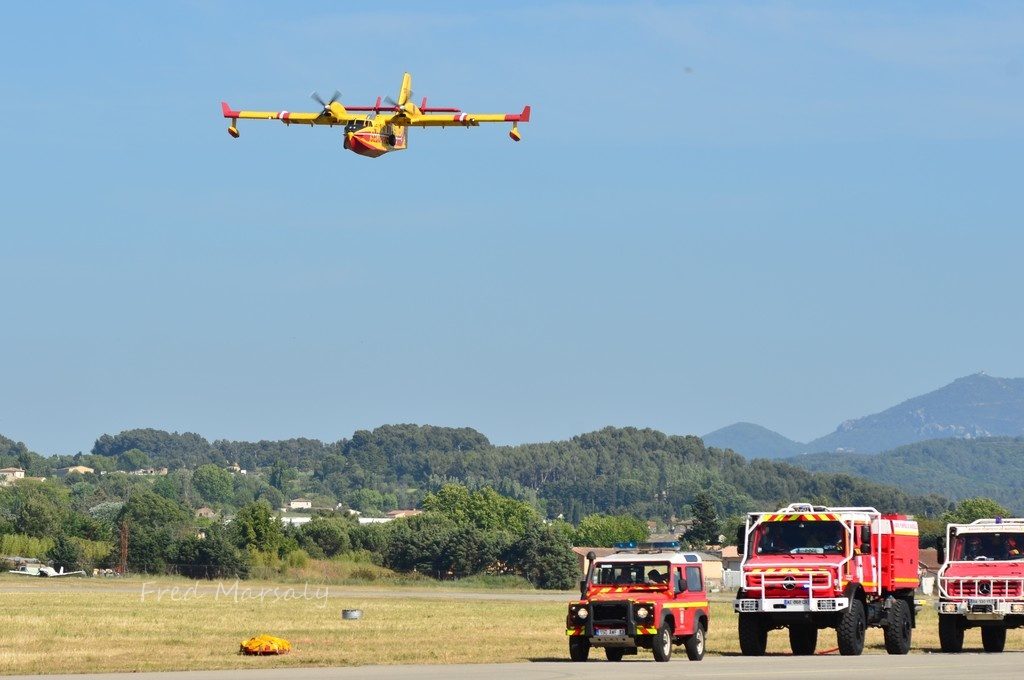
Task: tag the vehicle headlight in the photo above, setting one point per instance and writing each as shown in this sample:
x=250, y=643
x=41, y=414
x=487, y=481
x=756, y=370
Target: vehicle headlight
x=642, y=612
x=581, y=613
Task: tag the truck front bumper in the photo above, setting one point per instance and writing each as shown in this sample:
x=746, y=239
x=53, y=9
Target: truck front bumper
x=783, y=605
x=981, y=609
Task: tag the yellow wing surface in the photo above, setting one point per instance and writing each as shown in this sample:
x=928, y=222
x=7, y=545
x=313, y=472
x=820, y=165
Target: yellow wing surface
x=467, y=119
x=336, y=114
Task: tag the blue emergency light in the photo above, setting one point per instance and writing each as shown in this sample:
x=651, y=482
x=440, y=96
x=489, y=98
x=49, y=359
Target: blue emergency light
x=663, y=545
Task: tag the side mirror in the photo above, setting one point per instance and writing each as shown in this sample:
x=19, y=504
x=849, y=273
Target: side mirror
x=864, y=538
x=940, y=548
x=680, y=585
x=741, y=539
x=583, y=587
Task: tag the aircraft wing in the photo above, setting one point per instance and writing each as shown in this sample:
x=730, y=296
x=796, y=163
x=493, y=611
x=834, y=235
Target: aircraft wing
x=468, y=119
x=337, y=116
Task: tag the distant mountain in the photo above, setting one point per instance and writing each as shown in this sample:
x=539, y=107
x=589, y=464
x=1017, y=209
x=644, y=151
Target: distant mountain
x=978, y=405
x=753, y=441
x=954, y=468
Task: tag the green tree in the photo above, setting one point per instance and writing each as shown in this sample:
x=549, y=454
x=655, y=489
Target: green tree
x=280, y=475
x=544, y=557
x=37, y=516
x=706, y=527
x=133, y=459
x=600, y=530
x=417, y=544
x=970, y=509
x=65, y=554
x=214, y=484
x=330, y=534
x=209, y=556
x=256, y=528
x=486, y=509
x=154, y=522
x=270, y=495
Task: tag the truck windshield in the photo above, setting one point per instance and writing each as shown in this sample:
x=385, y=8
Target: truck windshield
x=800, y=538
x=988, y=546
x=631, y=573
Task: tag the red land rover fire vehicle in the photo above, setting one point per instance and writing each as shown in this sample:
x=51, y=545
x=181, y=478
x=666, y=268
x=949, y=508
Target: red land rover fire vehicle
x=809, y=567
x=650, y=596
x=981, y=582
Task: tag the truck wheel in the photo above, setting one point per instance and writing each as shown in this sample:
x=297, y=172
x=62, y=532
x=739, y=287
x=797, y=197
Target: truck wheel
x=993, y=638
x=753, y=635
x=897, y=633
x=663, y=642
x=695, y=643
x=850, y=632
x=614, y=653
x=579, y=648
x=803, y=638
x=951, y=634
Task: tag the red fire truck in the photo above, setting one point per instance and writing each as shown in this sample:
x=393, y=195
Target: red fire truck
x=981, y=582
x=650, y=596
x=807, y=567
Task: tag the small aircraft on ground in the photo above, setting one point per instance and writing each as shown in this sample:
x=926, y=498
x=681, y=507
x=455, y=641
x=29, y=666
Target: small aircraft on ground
x=44, y=571
x=383, y=127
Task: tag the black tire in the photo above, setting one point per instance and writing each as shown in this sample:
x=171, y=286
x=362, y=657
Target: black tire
x=850, y=631
x=614, y=653
x=951, y=634
x=663, y=642
x=753, y=635
x=803, y=638
x=993, y=638
x=696, y=643
x=898, y=632
x=579, y=648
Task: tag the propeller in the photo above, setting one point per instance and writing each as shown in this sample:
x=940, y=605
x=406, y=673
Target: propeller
x=395, y=105
x=315, y=96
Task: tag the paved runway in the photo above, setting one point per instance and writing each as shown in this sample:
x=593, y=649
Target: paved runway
x=911, y=667
x=22, y=584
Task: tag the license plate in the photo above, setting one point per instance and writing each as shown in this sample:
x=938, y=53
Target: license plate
x=795, y=602
x=610, y=632
x=983, y=602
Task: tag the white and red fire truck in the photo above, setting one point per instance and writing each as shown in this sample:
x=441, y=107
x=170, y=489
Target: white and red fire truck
x=981, y=582
x=650, y=596
x=807, y=567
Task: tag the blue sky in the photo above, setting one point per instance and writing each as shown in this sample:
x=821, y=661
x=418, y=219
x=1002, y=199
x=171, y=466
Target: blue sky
x=788, y=213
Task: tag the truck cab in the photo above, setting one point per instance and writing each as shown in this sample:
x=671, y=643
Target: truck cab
x=981, y=582
x=650, y=596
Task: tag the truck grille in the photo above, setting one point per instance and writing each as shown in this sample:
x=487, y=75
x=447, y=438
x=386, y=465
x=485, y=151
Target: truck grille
x=984, y=588
x=776, y=584
x=609, y=613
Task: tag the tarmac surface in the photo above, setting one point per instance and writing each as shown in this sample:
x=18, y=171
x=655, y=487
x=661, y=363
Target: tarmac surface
x=910, y=667
x=28, y=584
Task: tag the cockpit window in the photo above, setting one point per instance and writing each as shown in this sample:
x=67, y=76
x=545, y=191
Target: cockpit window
x=988, y=546
x=801, y=538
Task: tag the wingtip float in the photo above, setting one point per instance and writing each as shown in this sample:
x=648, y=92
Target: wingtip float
x=383, y=127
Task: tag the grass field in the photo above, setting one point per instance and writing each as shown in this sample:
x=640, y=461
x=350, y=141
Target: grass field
x=132, y=625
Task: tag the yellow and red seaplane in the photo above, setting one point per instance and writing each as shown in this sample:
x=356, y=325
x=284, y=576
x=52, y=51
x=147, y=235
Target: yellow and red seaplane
x=376, y=130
